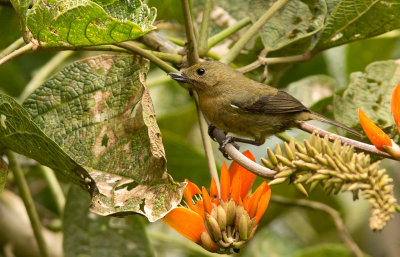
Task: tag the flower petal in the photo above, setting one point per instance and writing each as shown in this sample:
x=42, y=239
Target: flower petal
x=225, y=183
x=395, y=105
x=247, y=178
x=190, y=190
x=254, y=200
x=374, y=133
x=206, y=201
x=214, y=192
x=236, y=187
x=263, y=203
x=186, y=222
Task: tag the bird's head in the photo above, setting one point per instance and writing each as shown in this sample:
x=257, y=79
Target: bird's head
x=203, y=76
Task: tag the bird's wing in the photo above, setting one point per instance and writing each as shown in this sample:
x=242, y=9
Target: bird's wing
x=281, y=102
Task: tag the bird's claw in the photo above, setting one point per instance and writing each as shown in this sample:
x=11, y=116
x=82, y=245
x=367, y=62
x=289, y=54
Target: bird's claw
x=227, y=140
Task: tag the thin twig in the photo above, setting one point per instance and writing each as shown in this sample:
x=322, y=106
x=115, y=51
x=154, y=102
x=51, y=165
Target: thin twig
x=356, y=144
x=207, y=146
x=342, y=230
x=55, y=188
x=147, y=54
x=44, y=72
x=256, y=64
x=204, y=28
x=192, y=53
x=212, y=41
x=26, y=48
x=15, y=45
x=28, y=201
x=252, y=31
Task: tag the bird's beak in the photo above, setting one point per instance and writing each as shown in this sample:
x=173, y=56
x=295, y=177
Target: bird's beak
x=180, y=77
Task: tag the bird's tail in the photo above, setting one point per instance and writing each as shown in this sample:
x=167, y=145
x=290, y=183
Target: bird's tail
x=316, y=116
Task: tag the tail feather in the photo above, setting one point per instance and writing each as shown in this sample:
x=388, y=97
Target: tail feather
x=316, y=116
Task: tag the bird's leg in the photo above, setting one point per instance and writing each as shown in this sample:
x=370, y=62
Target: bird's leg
x=231, y=140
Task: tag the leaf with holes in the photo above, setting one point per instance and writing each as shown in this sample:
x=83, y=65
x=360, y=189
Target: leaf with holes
x=371, y=91
x=100, y=112
x=20, y=134
x=87, y=234
x=70, y=23
x=293, y=26
x=359, y=19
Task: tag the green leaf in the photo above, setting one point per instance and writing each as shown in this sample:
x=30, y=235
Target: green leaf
x=293, y=25
x=358, y=19
x=371, y=91
x=20, y=134
x=87, y=234
x=70, y=23
x=3, y=174
x=312, y=88
x=21, y=8
x=100, y=112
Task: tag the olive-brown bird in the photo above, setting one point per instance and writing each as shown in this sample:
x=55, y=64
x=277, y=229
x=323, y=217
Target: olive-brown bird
x=237, y=104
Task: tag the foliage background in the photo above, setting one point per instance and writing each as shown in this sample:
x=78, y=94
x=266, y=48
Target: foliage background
x=284, y=231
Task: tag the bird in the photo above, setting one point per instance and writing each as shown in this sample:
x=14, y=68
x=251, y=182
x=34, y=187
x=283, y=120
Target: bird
x=236, y=104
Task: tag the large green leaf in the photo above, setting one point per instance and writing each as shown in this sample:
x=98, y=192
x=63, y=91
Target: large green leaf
x=359, y=19
x=295, y=23
x=87, y=234
x=20, y=134
x=324, y=250
x=21, y=7
x=371, y=91
x=71, y=23
x=100, y=112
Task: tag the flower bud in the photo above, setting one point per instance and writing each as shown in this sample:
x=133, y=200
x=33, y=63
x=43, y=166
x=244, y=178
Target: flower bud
x=221, y=217
x=207, y=242
x=243, y=227
x=212, y=225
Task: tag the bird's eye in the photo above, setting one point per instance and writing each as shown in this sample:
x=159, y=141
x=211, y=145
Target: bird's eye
x=201, y=71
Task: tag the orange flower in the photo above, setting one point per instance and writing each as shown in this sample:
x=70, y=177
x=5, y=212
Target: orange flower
x=374, y=133
x=395, y=106
x=222, y=223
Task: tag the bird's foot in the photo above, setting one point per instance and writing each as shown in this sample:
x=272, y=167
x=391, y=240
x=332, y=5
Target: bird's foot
x=227, y=140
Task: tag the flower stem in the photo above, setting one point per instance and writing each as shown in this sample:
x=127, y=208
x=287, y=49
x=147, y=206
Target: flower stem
x=342, y=230
x=252, y=31
x=149, y=55
x=204, y=28
x=26, y=48
x=212, y=41
x=192, y=53
x=28, y=201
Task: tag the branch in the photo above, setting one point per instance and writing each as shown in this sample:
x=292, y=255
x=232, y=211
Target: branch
x=252, y=31
x=275, y=60
x=204, y=28
x=237, y=156
x=28, y=201
x=147, y=54
x=367, y=148
x=343, y=233
x=15, y=45
x=26, y=48
x=212, y=41
x=192, y=54
x=159, y=43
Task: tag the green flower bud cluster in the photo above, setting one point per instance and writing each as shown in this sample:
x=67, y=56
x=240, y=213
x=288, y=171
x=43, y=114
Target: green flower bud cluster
x=228, y=226
x=337, y=168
